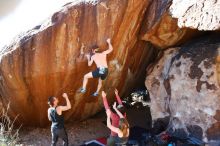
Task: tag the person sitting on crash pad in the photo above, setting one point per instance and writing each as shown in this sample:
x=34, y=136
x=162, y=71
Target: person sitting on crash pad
x=122, y=130
x=114, y=116
x=55, y=115
x=101, y=72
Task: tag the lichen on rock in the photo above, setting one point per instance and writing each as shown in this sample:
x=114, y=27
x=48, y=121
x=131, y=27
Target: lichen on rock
x=184, y=84
x=197, y=14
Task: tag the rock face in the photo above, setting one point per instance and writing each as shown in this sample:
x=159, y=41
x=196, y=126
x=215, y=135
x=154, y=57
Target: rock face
x=161, y=29
x=50, y=59
x=185, y=84
x=197, y=14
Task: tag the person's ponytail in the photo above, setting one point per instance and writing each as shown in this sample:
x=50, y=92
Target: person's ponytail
x=51, y=101
x=124, y=126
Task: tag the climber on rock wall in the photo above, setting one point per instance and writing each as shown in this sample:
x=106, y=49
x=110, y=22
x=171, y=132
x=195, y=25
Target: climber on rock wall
x=56, y=117
x=101, y=72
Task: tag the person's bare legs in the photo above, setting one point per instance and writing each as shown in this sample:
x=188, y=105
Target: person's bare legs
x=98, y=87
x=85, y=81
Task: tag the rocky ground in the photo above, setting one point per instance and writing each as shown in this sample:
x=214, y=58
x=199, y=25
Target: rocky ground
x=78, y=133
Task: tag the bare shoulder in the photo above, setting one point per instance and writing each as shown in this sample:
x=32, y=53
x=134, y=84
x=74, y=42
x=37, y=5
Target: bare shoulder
x=103, y=54
x=58, y=107
x=59, y=110
x=95, y=56
x=49, y=109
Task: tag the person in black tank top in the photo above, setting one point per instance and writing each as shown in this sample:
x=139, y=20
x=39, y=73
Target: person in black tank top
x=57, y=119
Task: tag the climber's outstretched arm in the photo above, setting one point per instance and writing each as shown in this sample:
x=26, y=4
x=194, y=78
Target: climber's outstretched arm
x=110, y=47
x=60, y=109
x=90, y=61
x=105, y=102
x=118, y=97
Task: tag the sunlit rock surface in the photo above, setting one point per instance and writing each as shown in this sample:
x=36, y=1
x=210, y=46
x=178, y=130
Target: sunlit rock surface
x=50, y=59
x=185, y=83
x=161, y=29
x=197, y=14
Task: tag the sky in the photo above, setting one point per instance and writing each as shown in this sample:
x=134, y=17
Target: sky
x=17, y=16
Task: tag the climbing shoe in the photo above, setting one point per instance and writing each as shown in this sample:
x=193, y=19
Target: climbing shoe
x=82, y=90
x=95, y=94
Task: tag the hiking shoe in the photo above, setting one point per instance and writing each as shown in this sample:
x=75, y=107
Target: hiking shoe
x=82, y=90
x=95, y=94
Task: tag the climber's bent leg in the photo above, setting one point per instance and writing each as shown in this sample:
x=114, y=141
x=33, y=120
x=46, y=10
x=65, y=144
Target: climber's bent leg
x=98, y=87
x=100, y=73
x=85, y=81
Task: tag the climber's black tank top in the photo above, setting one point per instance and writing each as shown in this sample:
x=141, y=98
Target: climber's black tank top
x=57, y=120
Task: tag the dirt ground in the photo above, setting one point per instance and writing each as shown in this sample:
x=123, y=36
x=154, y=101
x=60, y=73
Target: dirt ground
x=78, y=133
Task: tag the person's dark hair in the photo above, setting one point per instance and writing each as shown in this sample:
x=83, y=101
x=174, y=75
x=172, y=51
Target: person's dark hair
x=51, y=100
x=94, y=47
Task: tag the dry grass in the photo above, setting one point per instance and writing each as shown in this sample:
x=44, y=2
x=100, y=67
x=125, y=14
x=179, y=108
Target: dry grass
x=9, y=135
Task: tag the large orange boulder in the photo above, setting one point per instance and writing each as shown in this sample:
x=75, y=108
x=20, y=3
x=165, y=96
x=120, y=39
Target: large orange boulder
x=184, y=83
x=50, y=59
